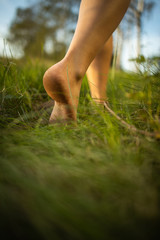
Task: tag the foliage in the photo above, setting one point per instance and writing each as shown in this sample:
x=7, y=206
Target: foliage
x=139, y=9
x=41, y=22
x=94, y=180
x=149, y=66
x=52, y=23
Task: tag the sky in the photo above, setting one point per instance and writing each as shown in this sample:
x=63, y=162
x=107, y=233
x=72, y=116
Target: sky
x=150, y=36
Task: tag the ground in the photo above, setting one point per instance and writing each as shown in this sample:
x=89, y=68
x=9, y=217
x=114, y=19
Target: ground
x=90, y=180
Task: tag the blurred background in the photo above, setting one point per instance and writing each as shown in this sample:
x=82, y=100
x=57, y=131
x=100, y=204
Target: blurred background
x=98, y=179
x=44, y=29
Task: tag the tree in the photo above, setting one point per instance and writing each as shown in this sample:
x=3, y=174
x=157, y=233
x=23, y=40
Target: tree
x=35, y=25
x=138, y=8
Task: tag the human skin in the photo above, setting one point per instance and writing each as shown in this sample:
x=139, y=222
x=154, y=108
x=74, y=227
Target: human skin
x=96, y=23
x=98, y=70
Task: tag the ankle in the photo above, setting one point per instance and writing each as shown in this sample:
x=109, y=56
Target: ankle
x=99, y=98
x=63, y=80
x=74, y=67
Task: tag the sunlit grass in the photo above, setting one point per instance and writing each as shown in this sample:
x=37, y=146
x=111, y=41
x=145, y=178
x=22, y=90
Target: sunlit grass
x=93, y=180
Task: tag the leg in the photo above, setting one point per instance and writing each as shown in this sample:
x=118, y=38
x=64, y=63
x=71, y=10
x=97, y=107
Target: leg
x=97, y=20
x=97, y=72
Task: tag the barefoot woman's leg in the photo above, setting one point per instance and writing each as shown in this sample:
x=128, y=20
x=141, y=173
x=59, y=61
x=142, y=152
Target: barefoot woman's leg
x=98, y=70
x=97, y=20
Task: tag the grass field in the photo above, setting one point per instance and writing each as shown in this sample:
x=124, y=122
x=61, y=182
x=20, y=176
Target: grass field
x=94, y=180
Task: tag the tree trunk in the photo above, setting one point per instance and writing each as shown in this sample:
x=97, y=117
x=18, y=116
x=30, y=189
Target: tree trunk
x=139, y=29
x=140, y=8
x=119, y=47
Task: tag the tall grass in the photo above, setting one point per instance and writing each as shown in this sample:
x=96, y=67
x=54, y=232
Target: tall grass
x=93, y=180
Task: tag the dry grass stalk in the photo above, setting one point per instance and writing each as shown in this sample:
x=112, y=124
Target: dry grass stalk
x=131, y=127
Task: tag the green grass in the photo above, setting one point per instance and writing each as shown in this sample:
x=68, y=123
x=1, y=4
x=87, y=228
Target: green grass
x=94, y=180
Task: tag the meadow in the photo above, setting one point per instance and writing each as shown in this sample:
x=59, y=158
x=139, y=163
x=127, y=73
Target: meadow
x=92, y=180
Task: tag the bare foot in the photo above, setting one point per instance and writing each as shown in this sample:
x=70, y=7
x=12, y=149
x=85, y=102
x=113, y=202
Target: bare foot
x=62, y=84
